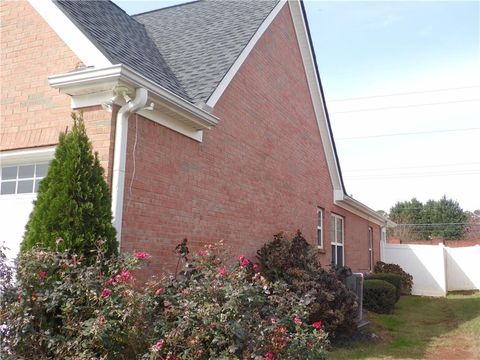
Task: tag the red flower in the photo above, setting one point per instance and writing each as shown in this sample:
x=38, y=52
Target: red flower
x=105, y=293
x=244, y=262
x=42, y=275
x=223, y=271
x=268, y=356
x=317, y=325
x=201, y=253
x=140, y=255
x=297, y=320
x=256, y=267
x=159, y=291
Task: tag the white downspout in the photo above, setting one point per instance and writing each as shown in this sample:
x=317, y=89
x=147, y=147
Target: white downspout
x=120, y=154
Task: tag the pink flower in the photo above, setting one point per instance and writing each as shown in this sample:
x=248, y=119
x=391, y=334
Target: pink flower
x=223, y=271
x=201, y=253
x=125, y=275
x=256, y=267
x=42, y=275
x=244, y=262
x=140, y=255
x=317, y=325
x=268, y=356
x=159, y=344
x=105, y=293
x=297, y=320
x=159, y=291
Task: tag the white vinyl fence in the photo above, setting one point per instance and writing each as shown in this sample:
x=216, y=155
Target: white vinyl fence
x=436, y=269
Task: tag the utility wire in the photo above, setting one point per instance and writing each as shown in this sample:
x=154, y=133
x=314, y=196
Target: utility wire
x=407, y=133
x=404, y=93
x=414, y=167
x=405, y=106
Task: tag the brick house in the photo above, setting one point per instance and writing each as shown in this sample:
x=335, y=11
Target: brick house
x=208, y=117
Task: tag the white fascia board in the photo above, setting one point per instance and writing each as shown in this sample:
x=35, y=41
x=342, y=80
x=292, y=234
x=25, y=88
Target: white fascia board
x=95, y=86
x=314, y=87
x=29, y=155
x=71, y=35
x=219, y=90
x=360, y=209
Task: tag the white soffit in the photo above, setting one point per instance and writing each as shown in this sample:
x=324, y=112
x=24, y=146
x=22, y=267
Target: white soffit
x=93, y=87
x=86, y=51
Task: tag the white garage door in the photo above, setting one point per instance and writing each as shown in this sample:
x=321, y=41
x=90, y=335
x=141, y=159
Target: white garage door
x=20, y=174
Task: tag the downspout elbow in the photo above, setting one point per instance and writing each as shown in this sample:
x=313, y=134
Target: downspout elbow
x=120, y=154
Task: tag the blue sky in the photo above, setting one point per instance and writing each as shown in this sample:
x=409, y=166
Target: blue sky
x=402, y=82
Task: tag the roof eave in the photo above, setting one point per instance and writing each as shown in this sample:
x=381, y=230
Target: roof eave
x=349, y=203
x=96, y=86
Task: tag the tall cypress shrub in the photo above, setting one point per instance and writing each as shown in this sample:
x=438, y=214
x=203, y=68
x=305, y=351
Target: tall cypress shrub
x=74, y=201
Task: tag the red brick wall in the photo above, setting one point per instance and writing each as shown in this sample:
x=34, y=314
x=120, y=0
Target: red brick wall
x=33, y=114
x=260, y=171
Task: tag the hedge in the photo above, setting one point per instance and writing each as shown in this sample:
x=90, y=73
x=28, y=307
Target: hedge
x=378, y=296
x=394, y=279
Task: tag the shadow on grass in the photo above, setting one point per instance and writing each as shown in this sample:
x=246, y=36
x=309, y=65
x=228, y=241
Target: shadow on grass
x=414, y=326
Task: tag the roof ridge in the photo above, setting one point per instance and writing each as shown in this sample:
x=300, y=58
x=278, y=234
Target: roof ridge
x=167, y=7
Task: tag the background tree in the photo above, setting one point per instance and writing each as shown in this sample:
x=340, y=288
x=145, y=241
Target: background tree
x=446, y=218
x=74, y=201
x=419, y=221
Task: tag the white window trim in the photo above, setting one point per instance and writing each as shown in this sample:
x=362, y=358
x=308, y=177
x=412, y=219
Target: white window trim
x=333, y=241
x=25, y=157
x=370, y=247
x=320, y=227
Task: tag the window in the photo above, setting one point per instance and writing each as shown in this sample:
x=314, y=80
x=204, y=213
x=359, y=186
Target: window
x=320, y=228
x=337, y=239
x=22, y=179
x=370, y=248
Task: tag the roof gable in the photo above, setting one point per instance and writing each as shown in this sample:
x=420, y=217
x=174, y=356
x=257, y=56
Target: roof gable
x=121, y=39
x=201, y=40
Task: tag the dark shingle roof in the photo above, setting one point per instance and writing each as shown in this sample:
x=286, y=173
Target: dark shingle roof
x=121, y=39
x=201, y=40
x=186, y=48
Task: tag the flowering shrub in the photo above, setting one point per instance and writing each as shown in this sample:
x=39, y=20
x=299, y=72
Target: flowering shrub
x=216, y=311
x=295, y=262
x=62, y=308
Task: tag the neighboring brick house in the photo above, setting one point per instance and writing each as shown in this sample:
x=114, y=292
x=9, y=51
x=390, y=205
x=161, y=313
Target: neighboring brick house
x=237, y=145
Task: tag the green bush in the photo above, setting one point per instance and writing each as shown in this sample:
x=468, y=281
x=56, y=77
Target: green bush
x=407, y=279
x=378, y=296
x=65, y=308
x=73, y=206
x=295, y=262
x=393, y=279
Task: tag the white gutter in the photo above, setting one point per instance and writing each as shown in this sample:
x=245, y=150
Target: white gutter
x=120, y=155
x=349, y=203
x=106, y=79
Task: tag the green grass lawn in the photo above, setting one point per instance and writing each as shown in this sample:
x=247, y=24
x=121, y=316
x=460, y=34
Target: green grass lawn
x=422, y=328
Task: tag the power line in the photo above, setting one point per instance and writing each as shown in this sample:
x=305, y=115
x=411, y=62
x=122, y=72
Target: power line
x=439, y=224
x=405, y=106
x=401, y=176
x=415, y=167
x=407, y=133
x=404, y=93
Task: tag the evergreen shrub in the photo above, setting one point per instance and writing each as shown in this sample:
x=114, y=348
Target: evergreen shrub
x=379, y=296
x=73, y=206
x=393, y=279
